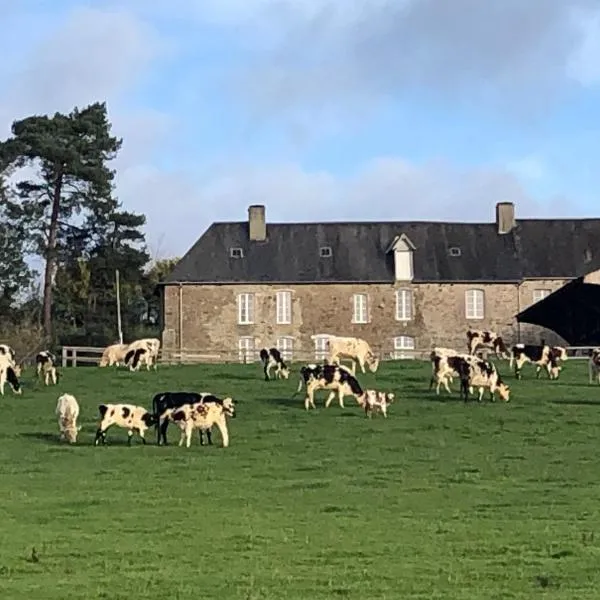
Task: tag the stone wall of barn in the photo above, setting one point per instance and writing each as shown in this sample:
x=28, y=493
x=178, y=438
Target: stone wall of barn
x=209, y=320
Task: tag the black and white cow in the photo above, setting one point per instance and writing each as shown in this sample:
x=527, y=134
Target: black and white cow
x=539, y=355
x=477, y=338
x=9, y=373
x=445, y=364
x=167, y=401
x=308, y=372
x=6, y=350
x=335, y=378
x=271, y=359
x=46, y=367
x=481, y=374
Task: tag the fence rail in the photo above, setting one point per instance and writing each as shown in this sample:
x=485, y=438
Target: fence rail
x=89, y=355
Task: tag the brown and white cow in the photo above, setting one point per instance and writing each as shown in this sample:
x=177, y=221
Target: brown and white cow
x=540, y=355
x=481, y=374
x=478, y=338
x=594, y=365
x=377, y=402
x=355, y=349
x=113, y=355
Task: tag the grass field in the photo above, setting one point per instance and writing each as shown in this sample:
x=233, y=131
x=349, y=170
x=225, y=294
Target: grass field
x=442, y=500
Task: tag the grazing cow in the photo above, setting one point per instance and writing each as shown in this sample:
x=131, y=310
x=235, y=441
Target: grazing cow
x=7, y=351
x=377, y=402
x=444, y=366
x=165, y=401
x=46, y=367
x=9, y=373
x=355, y=349
x=539, y=355
x=128, y=416
x=487, y=339
x=67, y=411
x=481, y=374
x=113, y=355
x=202, y=416
x=594, y=365
x=336, y=379
x=559, y=354
x=142, y=352
x=271, y=359
x=308, y=372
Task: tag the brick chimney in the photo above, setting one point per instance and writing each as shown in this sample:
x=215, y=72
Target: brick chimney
x=257, y=224
x=505, y=217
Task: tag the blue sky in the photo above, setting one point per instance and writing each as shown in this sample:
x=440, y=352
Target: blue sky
x=322, y=109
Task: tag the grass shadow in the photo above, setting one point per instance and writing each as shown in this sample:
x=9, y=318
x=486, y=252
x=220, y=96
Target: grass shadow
x=576, y=402
x=40, y=436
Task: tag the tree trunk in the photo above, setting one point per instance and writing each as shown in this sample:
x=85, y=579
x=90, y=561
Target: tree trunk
x=51, y=254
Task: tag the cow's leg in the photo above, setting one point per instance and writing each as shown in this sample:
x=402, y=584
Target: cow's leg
x=329, y=399
x=162, y=432
x=129, y=436
x=222, y=425
x=341, y=397
x=141, y=433
x=266, y=370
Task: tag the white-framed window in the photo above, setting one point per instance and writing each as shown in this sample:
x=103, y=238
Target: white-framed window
x=404, y=305
x=247, y=349
x=285, y=345
x=321, y=351
x=404, y=346
x=245, y=309
x=474, y=304
x=540, y=294
x=360, y=305
x=284, y=307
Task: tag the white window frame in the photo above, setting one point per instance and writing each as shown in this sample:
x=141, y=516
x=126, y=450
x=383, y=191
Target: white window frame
x=475, y=304
x=246, y=308
x=540, y=294
x=283, y=307
x=360, y=308
x=404, y=347
x=404, y=304
x=247, y=349
x=321, y=349
x=285, y=345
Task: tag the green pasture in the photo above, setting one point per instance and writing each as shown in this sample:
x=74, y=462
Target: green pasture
x=443, y=500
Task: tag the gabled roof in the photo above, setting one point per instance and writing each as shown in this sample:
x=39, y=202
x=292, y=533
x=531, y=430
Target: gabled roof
x=361, y=252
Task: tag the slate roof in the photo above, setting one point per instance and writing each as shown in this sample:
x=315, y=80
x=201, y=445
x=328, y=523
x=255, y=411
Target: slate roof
x=535, y=248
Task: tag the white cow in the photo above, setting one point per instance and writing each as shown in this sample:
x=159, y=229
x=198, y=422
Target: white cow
x=67, y=411
x=356, y=349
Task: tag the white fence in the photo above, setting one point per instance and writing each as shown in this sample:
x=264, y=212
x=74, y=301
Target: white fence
x=88, y=355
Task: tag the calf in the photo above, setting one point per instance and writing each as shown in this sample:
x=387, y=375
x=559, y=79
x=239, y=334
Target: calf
x=539, y=355
x=594, y=365
x=165, y=401
x=113, y=355
x=128, y=416
x=481, y=374
x=337, y=379
x=67, y=411
x=488, y=339
x=9, y=373
x=355, y=349
x=7, y=351
x=45, y=365
x=271, y=359
x=142, y=352
x=202, y=416
x=377, y=402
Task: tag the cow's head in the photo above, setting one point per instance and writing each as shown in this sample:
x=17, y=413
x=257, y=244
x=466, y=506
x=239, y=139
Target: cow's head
x=284, y=372
x=386, y=397
x=149, y=419
x=228, y=407
x=71, y=434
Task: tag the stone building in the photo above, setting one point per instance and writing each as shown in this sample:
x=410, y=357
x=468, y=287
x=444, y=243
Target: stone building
x=402, y=286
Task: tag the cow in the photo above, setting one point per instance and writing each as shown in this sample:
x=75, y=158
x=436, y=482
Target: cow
x=487, y=339
x=271, y=359
x=67, y=411
x=128, y=416
x=46, y=367
x=353, y=348
x=481, y=374
x=334, y=378
x=113, y=355
x=539, y=355
x=9, y=373
x=594, y=365
x=165, y=401
x=202, y=416
x=142, y=352
x=7, y=351
x=444, y=367
x=377, y=402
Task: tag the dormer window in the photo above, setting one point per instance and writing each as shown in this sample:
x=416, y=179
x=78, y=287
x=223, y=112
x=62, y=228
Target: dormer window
x=236, y=253
x=587, y=256
x=403, y=250
x=325, y=251
x=454, y=251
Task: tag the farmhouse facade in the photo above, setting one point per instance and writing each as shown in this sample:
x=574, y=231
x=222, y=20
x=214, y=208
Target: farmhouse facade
x=402, y=286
